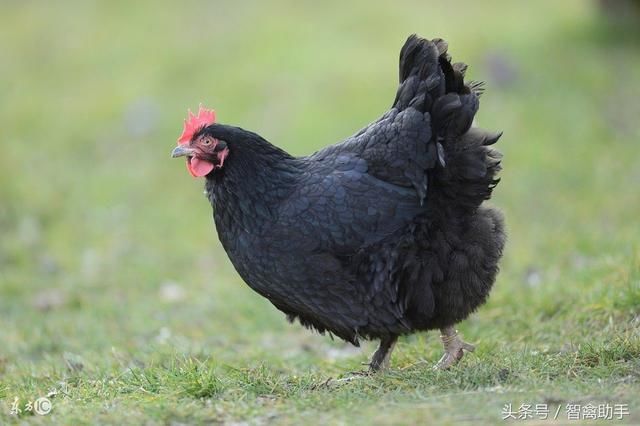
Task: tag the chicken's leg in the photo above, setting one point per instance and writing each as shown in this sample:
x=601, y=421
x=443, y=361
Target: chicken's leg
x=380, y=359
x=454, y=348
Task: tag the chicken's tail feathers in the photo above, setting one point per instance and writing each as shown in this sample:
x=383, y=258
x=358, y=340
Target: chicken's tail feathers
x=472, y=169
x=431, y=83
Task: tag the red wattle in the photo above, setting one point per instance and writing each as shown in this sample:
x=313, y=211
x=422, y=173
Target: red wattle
x=198, y=167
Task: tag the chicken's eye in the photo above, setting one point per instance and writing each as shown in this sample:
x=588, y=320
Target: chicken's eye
x=206, y=141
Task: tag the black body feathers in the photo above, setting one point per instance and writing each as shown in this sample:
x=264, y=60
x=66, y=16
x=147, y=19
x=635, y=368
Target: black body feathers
x=382, y=234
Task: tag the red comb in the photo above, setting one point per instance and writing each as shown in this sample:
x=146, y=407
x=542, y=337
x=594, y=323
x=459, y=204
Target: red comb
x=194, y=123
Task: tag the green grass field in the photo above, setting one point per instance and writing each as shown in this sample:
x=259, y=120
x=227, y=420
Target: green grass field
x=118, y=302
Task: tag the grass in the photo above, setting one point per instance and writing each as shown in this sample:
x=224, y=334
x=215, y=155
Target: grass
x=117, y=301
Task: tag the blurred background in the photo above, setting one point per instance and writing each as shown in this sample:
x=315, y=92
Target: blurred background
x=107, y=245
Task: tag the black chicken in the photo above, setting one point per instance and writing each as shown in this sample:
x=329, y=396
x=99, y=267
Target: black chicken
x=377, y=236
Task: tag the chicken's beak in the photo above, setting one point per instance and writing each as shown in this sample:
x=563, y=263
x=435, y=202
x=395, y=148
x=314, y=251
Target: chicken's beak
x=181, y=151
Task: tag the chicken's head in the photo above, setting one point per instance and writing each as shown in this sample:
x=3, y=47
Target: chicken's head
x=204, y=152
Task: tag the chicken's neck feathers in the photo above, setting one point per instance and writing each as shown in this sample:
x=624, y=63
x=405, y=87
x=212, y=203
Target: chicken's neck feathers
x=246, y=192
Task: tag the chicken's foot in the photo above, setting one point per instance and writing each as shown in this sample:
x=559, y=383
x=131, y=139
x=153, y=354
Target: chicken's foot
x=380, y=359
x=454, y=348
